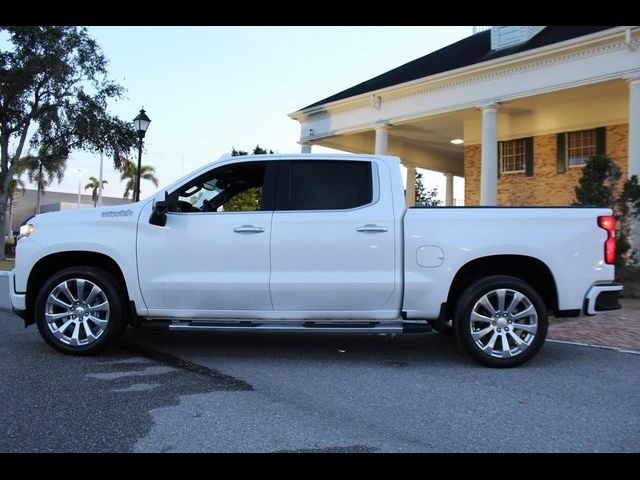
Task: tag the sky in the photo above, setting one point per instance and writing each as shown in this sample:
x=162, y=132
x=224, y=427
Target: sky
x=209, y=89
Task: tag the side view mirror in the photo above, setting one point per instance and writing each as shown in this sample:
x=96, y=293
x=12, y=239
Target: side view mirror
x=159, y=212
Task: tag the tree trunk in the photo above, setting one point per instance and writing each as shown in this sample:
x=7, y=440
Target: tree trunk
x=40, y=182
x=38, y=201
x=3, y=221
x=9, y=229
x=4, y=196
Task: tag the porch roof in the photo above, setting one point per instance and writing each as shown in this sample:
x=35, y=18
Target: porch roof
x=468, y=51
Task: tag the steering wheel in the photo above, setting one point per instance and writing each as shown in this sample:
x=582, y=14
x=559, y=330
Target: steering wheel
x=206, y=206
x=182, y=206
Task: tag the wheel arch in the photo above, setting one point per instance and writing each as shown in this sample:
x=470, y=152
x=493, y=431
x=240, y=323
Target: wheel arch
x=529, y=269
x=48, y=265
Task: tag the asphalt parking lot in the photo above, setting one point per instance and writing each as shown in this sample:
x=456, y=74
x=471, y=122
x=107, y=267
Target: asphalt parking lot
x=186, y=392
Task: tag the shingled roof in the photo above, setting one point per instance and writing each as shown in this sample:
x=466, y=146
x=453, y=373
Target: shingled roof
x=468, y=51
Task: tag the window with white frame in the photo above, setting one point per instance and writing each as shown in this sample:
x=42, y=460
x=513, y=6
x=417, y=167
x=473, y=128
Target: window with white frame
x=508, y=35
x=581, y=146
x=512, y=156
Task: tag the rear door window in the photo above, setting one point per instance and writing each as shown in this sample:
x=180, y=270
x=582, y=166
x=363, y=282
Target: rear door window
x=325, y=185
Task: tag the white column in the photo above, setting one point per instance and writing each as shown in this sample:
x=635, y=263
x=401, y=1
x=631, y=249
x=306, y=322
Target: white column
x=448, y=193
x=634, y=126
x=411, y=186
x=382, y=139
x=306, y=148
x=489, y=161
x=634, y=158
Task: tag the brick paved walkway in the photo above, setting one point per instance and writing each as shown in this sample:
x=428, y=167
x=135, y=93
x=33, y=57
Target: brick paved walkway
x=619, y=329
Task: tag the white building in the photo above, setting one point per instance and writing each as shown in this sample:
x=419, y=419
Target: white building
x=525, y=104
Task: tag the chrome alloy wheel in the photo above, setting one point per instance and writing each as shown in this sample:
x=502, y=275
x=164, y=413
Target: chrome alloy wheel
x=503, y=323
x=77, y=312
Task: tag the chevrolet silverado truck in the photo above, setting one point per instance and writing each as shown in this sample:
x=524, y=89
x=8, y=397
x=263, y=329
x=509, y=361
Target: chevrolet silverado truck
x=313, y=243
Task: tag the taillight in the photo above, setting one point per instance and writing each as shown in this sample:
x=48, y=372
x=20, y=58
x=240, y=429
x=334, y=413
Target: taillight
x=608, y=222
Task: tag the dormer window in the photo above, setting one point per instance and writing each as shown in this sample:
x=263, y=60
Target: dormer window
x=508, y=36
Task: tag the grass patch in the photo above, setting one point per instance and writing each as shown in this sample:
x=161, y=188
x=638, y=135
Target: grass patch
x=7, y=264
x=629, y=276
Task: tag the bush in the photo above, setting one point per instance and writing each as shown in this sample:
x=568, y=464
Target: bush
x=9, y=244
x=598, y=186
x=629, y=276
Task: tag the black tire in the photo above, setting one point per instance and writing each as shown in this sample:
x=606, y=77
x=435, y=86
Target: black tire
x=502, y=328
x=115, y=320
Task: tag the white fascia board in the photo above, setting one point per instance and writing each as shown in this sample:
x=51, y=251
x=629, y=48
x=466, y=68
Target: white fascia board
x=475, y=68
x=499, y=86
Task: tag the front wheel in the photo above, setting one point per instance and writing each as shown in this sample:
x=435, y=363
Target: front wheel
x=79, y=310
x=501, y=321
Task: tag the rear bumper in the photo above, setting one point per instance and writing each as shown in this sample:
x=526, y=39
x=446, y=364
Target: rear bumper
x=602, y=298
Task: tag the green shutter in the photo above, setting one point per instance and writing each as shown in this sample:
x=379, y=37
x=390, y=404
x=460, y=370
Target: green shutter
x=528, y=156
x=498, y=155
x=561, y=159
x=601, y=141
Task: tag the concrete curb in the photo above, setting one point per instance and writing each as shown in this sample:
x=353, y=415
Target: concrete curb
x=592, y=345
x=4, y=273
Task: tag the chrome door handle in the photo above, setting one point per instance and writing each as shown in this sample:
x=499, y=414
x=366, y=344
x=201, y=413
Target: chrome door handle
x=248, y=229
x=372, y=228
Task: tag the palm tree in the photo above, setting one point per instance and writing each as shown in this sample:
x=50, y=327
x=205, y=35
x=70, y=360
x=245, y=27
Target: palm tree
x=94, y=183
x=43, y=168
x=17, y=184
x=129, y=170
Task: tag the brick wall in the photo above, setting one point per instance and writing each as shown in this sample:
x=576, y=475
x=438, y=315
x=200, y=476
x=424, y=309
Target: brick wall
x=546, y=186
x=472, y=157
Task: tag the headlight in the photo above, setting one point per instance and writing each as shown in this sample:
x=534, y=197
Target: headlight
x=25, y=231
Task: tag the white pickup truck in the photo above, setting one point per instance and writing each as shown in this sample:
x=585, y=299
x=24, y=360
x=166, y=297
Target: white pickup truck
x=314, y=243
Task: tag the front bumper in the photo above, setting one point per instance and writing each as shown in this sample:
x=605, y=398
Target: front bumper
x=18, y=300
x=602, y=298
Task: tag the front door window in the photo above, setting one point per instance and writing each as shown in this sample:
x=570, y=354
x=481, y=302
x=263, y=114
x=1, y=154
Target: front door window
x=231, y=188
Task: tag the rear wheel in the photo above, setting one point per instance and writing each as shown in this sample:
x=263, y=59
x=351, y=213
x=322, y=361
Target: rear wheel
x=501, y=321
x=79, y=310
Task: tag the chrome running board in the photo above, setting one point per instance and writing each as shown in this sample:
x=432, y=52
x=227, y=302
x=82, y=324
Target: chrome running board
x=316, y=327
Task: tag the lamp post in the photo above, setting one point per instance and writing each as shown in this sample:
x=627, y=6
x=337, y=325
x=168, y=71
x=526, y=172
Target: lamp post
x=79, y=172
x=141, y=122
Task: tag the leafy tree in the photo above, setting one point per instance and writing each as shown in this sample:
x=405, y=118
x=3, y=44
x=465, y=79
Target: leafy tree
x=249, y=200
x=42, y=169
x=94, y=184
x=238, y=153
x=427, y=198
x=15, y=186
x=129, y=173
x=256, y=151
x=599, y=187
x=53, y=93
x=629, y=210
